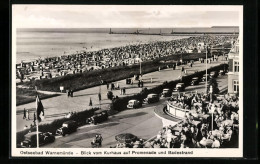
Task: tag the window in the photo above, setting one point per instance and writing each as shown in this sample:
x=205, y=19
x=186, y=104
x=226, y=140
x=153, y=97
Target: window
x=236, y=86
x=236, y=66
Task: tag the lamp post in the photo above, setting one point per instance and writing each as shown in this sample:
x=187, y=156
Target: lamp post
x=99, y=98
x=206, y=68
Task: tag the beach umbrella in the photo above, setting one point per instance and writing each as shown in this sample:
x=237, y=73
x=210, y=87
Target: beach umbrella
x=125, y=138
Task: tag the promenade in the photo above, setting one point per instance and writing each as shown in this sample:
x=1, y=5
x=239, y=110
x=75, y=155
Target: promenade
x=57, y=107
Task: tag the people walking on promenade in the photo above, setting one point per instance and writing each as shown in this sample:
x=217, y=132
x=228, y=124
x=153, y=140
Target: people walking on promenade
x=90, y=102
x=24, y=114
x=28, y=115
x=99, y=96
x=107, y=86
x=34, y=118
x=68, y=93
x=71, y=93
x=124, y=91
x=159, y=69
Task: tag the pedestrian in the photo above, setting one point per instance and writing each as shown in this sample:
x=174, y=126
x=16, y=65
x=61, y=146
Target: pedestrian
x=24, y=114
x=107, y=86
x=71, y=93
x=159, y=69
x=90, y=102
x=151, y=80
x=142, y=84
x=28, y=115
x=34, y=118
x=139, y=83
x=68, y=93
x=123, y=91
x=99, y=96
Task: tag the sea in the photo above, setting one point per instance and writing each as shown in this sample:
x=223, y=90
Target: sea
x=32, y=44
x=35, y=43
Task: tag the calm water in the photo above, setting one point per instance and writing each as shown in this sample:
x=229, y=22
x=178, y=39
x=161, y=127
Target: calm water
x=34, y=44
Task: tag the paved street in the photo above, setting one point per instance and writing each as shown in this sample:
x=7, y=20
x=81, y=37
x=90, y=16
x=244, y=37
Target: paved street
x=141, y=122
x=57, y=107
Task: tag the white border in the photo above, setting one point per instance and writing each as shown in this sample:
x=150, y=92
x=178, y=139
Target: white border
x=238, y=152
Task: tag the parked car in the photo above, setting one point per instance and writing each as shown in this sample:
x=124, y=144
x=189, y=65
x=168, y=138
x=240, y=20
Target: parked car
x=221, y=72
x=30, y=139
x=213, y=74
x=204, y=77
x=166, y=92
x=180, y=87
x=98, y=117
x=68, y=127
x=195, y=81
x=151, y=98
x=134, y=104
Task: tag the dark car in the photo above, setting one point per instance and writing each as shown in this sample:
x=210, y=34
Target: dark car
x=68, y=127
x=221, y=72
x=30, y=139
x=98, y=117
x=134, y=104
x=204, y=77
x=110, y=95
x=195, y=81
x=152, y=98
x=166, y=92
x=180, y=87
x=213, y=74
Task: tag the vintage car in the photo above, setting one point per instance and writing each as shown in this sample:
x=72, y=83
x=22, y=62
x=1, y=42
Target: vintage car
x=68, y=127
x=152, y=98
x=110, y=95
x=213, y=74
x=134, y=104
x=166, y=92
x=180, y=87
x=98, y=117
x=204, y=77
x=30, y=139
x=221, y=72
x=194, y=81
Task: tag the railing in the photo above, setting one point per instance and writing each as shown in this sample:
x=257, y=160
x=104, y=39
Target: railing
x=176, y=111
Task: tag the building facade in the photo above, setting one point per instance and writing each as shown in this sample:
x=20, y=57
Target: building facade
x=233, y=74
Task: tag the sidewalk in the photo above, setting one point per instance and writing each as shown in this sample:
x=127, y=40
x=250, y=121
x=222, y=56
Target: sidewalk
x=57, y=107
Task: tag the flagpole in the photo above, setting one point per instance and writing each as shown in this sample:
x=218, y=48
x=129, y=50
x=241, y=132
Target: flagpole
x=37, y=122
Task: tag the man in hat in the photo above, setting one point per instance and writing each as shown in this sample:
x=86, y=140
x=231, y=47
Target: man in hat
x=24, y=114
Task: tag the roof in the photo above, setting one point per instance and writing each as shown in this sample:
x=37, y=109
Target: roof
x=133, y=100
x=152, y=94
x=180, y=84
x=31, y=134
x=70, y=121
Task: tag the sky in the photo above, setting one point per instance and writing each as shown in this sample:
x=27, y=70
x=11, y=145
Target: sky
x=106, y=16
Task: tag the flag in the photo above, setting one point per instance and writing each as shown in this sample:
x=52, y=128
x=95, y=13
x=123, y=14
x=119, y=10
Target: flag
x=39, y=108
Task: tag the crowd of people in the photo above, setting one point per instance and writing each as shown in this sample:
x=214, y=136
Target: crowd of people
x=125, y=55
x=197, y=131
